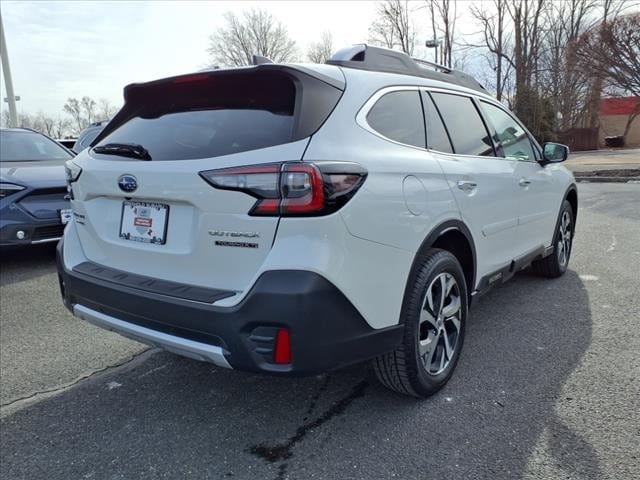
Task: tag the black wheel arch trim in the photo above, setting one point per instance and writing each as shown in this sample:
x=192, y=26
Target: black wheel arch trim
x=571, y=188
x=428, y=242
x=574, y=189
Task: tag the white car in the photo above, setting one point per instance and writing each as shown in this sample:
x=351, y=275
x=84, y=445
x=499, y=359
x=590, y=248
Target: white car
x=294, y=219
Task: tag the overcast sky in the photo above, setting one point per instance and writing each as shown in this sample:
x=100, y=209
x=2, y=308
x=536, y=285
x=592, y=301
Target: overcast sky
x=62, y=49
x=75, y=48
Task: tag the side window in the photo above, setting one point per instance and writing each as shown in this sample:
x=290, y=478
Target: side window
x=89, y=137
x=398, y=116
x=466, y=129
x=437, y=136
x=514, y=140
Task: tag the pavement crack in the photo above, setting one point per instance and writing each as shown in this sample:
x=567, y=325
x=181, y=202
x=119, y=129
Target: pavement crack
x=33, y=397
x=283, y=451
x=314, y=400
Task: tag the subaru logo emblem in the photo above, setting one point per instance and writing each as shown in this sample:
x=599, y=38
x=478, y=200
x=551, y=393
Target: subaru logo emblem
x=127, y=183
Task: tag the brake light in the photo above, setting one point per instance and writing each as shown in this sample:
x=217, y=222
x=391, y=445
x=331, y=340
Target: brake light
x=191, y=78
x=292, y=189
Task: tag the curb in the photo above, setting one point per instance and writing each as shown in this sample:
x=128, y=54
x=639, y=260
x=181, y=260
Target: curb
x=608, y=179
x=625, y=175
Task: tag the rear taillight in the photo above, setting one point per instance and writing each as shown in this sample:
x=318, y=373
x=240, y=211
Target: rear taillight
x=292, y=189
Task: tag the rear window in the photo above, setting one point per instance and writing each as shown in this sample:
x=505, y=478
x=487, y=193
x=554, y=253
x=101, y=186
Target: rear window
x=206, y=116
x=398, y=116
x=22, y=146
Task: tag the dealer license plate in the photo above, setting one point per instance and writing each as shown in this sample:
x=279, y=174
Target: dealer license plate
x=144, y=222
x=65, y=215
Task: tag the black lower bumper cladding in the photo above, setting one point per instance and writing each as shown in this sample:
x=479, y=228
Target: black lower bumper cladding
x=326, y=330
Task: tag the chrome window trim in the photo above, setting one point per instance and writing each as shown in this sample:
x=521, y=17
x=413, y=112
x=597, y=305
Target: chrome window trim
x=472, y=98
x=361, y=116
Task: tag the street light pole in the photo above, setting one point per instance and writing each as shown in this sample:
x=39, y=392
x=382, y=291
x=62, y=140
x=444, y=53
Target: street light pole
x=435, y=43
x=11, y=98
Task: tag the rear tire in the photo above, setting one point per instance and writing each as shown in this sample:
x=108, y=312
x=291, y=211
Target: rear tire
x=434, y=315
x=554, y=265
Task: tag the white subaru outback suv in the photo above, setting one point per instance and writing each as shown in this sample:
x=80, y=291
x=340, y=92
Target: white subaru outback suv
x=294, y=219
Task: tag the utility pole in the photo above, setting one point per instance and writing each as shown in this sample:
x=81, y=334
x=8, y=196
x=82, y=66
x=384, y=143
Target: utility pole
x=11, y=98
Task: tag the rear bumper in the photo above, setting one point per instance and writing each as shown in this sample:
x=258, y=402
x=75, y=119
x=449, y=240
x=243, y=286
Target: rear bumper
x=326, y=330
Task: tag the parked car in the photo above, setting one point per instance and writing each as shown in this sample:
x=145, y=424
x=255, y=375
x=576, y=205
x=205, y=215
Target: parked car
x=88, y=135
x=294, y=219
x=33, y=207
x=67, y=142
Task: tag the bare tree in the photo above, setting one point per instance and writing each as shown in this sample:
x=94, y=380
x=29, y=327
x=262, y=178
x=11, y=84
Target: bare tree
x=89, y=109
x=610, y=10
x=612, y=52
x=255, y=32
x=320, y=52
x=615, y=52
x=393, y=27
x=527, y=17
x=497, y=40
x=381, y=33
x=560, y=77
x=73, y=108
x=46, y=124
x=5, y=119
x=106, y=109
x=61, y=127
x=445, y=11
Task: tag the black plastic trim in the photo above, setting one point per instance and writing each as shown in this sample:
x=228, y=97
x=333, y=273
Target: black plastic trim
x=431, y=239
x=327, y=331
x=377, y=59
x=152, y=285
x=505, y=273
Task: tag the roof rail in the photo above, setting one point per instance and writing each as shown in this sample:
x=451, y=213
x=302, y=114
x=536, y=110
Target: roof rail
x=259, y=60
x=366, y=57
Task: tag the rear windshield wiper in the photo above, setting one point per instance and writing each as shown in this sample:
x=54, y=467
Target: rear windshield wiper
x=132, y=150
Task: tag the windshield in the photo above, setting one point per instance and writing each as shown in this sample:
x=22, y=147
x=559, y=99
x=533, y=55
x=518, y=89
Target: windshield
x=25, y=146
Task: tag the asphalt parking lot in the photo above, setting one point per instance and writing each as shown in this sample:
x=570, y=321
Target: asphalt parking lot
x=548, y=386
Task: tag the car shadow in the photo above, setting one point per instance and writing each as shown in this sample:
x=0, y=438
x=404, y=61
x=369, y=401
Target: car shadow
x=20, y=264
x=171, y=417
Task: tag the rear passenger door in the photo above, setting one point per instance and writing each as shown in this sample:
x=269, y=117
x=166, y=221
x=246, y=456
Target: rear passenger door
x=483, y=184
x=538, y=201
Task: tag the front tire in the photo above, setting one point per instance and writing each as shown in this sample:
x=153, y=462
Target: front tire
x=556, y=264
x=434, y=315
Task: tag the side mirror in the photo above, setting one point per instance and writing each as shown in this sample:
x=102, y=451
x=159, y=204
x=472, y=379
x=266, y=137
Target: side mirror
x=554, y=153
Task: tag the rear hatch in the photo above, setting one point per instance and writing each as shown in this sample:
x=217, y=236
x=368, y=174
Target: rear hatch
x=146, y=209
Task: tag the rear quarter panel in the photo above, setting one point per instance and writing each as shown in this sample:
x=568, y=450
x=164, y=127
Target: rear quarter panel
x=404, y=197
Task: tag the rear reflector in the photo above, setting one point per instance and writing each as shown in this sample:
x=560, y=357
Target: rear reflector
x=282, y=352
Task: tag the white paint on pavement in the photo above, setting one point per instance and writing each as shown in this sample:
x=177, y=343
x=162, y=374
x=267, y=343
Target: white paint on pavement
x=588, y=278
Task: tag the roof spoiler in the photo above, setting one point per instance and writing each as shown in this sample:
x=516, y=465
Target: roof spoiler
x=366, y=57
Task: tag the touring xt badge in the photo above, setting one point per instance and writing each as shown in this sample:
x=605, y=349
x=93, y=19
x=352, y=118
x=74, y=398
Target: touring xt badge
x=228, y=234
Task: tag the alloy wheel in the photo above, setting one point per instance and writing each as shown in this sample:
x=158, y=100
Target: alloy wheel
x=563, y=246
x=439, y=328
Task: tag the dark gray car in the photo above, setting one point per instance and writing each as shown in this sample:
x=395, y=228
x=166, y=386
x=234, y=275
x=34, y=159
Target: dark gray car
x=33, y=204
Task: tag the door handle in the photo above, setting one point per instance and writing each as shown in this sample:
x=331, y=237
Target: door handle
x=524, y=182
x=466, y=185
